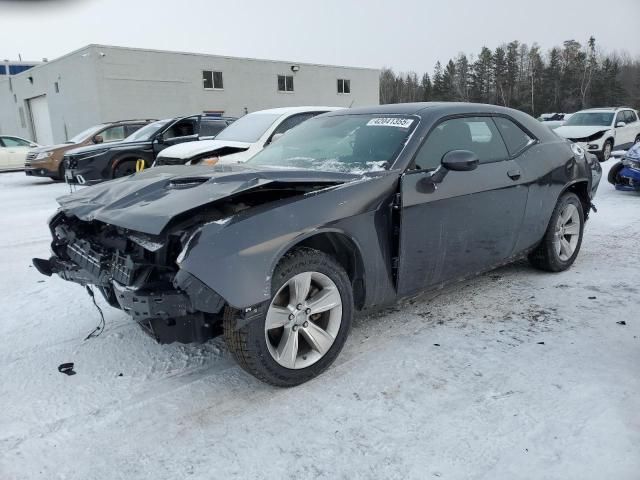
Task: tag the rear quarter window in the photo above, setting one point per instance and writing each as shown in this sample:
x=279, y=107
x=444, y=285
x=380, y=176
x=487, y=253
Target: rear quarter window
x=514, y=137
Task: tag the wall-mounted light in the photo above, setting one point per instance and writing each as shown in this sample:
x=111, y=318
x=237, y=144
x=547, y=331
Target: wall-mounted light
x=295, y=68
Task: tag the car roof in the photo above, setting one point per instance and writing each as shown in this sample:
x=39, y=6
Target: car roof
x=604, y=109
x=287, y=110
x=423, y=108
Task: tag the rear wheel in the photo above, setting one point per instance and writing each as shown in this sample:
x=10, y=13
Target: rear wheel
x=60, y=176
x=305, y=325
x=124, y=168
x=561, y=242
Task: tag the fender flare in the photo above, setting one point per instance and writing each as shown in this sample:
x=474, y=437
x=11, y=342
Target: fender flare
x=310, y=234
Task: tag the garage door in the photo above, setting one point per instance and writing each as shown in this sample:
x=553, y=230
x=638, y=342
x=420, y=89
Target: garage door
x=41, y=121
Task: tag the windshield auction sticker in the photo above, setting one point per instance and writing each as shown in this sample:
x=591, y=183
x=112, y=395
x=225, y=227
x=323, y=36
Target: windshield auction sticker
x=390, y=122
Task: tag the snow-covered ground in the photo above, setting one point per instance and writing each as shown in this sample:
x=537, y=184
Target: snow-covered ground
x=517, y=374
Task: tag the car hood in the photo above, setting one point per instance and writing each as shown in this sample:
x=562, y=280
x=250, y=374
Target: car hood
x=191, y=149
x=104, y=146
x=147, y=201
x=53, y=148
x=579, y=131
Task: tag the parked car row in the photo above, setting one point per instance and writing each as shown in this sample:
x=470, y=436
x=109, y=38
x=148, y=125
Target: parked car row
x=173, y=142
x=350, y=210
x=48, y=161
x=99, y=162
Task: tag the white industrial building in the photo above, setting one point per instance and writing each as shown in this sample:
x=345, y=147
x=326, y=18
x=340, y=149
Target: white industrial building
x=53, y=101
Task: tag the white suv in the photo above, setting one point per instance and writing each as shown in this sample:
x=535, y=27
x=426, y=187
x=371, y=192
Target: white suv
x=600, y=130
x=242, y=139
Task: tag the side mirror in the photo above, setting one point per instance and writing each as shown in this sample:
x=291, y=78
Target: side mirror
x=159, y=139
x=33, y=145
x=620, y=124
x=456, y=161
x=98, y=139
x=460, y=161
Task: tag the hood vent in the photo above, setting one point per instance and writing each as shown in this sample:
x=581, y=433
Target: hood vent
x=187, y=182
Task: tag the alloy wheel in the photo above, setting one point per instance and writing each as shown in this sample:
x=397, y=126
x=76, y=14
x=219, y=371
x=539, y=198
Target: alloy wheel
x=567, y=232
x=303, y=320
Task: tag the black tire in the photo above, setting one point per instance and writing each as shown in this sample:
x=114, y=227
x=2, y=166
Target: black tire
x=60, y=176
x=613, y=176
x=545, y=257
x=124, y=169
x=605, y=154
x=637, y=140
x=248, y=343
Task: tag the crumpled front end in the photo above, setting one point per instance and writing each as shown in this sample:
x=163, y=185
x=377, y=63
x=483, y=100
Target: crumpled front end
x=136, y=273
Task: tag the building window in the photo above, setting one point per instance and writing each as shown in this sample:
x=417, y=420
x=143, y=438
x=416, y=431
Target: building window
x=344, y=86
x=285, y=83
x=212, y=80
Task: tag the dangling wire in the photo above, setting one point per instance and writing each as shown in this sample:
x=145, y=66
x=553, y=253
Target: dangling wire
x=100, y=328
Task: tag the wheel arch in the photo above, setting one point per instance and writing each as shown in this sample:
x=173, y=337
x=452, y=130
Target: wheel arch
x=128, y=157
x=343, y=248
x=581, y=189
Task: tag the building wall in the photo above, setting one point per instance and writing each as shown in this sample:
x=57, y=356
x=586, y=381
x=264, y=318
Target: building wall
x=163, y=84
x=72, y=108
x=103, y=83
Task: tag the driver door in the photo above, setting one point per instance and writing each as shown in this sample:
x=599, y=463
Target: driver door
x=181, y=131
x=469, y=222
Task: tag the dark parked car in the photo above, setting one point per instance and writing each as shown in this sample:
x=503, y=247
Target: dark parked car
x=48, y=161
x=352, y=209
x=96, y=163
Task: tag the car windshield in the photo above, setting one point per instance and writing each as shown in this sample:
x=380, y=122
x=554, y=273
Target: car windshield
x=583, y=119
x=248, y=128
x=146, y=132
x=342, y=143
x=82, y=136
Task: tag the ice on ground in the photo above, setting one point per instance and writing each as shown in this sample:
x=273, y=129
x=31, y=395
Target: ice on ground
x=517, y=374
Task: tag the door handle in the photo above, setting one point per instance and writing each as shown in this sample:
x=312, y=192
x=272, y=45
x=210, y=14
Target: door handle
x=514, y=174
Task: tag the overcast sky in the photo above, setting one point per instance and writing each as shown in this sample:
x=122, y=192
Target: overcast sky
x=403, y=34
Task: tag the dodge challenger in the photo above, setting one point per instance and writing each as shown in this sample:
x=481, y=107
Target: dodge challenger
x=351, y=210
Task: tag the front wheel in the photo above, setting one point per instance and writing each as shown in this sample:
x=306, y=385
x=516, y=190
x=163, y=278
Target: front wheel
x=563, y=238
x=606, y=151
x=125, y=168
x=305, y=326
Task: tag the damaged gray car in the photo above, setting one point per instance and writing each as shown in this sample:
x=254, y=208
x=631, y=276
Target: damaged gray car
x=349, y=211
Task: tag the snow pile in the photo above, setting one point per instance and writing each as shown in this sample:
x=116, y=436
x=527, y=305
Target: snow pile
x=517, y=374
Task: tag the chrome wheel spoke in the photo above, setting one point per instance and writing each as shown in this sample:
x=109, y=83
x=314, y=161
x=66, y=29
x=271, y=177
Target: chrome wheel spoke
x=277, y=317
x=565, y=248
x=299, y=288
x=288, y=348
x=567, y=214
x=302, y=332
x=317, y=338
x=324, y=300
x=572, y=229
